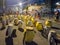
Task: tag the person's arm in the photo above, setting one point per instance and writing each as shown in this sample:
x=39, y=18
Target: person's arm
x=56, y=13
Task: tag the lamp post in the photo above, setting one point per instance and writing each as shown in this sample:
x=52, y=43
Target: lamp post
x=20, y=5
x=4, y=6
x=1, y=5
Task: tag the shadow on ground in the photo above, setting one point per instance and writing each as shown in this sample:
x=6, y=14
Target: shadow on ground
x=14, y=33
x=31, y=43
x=55, y=28
x=9, y=41
x=2, y=28
x=21, y=29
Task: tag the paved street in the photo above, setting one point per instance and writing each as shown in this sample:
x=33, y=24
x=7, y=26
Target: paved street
x=29, y=22
x=18, y=40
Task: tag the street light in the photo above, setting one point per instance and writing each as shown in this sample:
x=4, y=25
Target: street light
x=20, y=7
x=20, y=4
x=4, y=1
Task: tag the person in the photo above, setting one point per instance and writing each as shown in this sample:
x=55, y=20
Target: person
x=57, y=11
x=57, y=15
x=3, y=22
x=29, y=34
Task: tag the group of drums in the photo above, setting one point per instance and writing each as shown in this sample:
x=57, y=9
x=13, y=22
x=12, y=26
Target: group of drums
x=27, y=23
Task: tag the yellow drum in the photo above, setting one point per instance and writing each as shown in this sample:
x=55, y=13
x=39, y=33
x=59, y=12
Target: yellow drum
x=29, y=34
x=39, y=26
x=32, y=19
x=35, y=23
x=20, y=24
x=19, y=17
x=26, y=20
x=48, y=23
x=16, y=21
x=22, y=17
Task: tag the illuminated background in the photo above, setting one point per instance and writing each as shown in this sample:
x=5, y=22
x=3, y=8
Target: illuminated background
x=10, y=3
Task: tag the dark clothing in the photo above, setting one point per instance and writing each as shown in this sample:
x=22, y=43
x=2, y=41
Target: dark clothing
x=57, y=17
x=57, y=14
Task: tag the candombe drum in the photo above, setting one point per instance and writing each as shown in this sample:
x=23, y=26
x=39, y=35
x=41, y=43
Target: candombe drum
x=19, y=17
x=48, y=23
x=47, y=28
x=22, y=17
x=35, y=23
x=16, y=21
x=25, y=20
x=29, y=23
x=20, y=26
x=39, y=26
x=32, y=19
x=20, y=23
x=28, y=35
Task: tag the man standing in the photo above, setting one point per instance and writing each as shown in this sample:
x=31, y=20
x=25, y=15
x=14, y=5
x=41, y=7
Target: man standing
x=57, y=11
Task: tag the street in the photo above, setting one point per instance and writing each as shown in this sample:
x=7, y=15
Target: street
x=18, y=38
x=29, y=22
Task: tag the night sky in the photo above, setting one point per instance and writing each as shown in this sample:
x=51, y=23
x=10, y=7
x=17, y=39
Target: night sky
x=13, y=2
